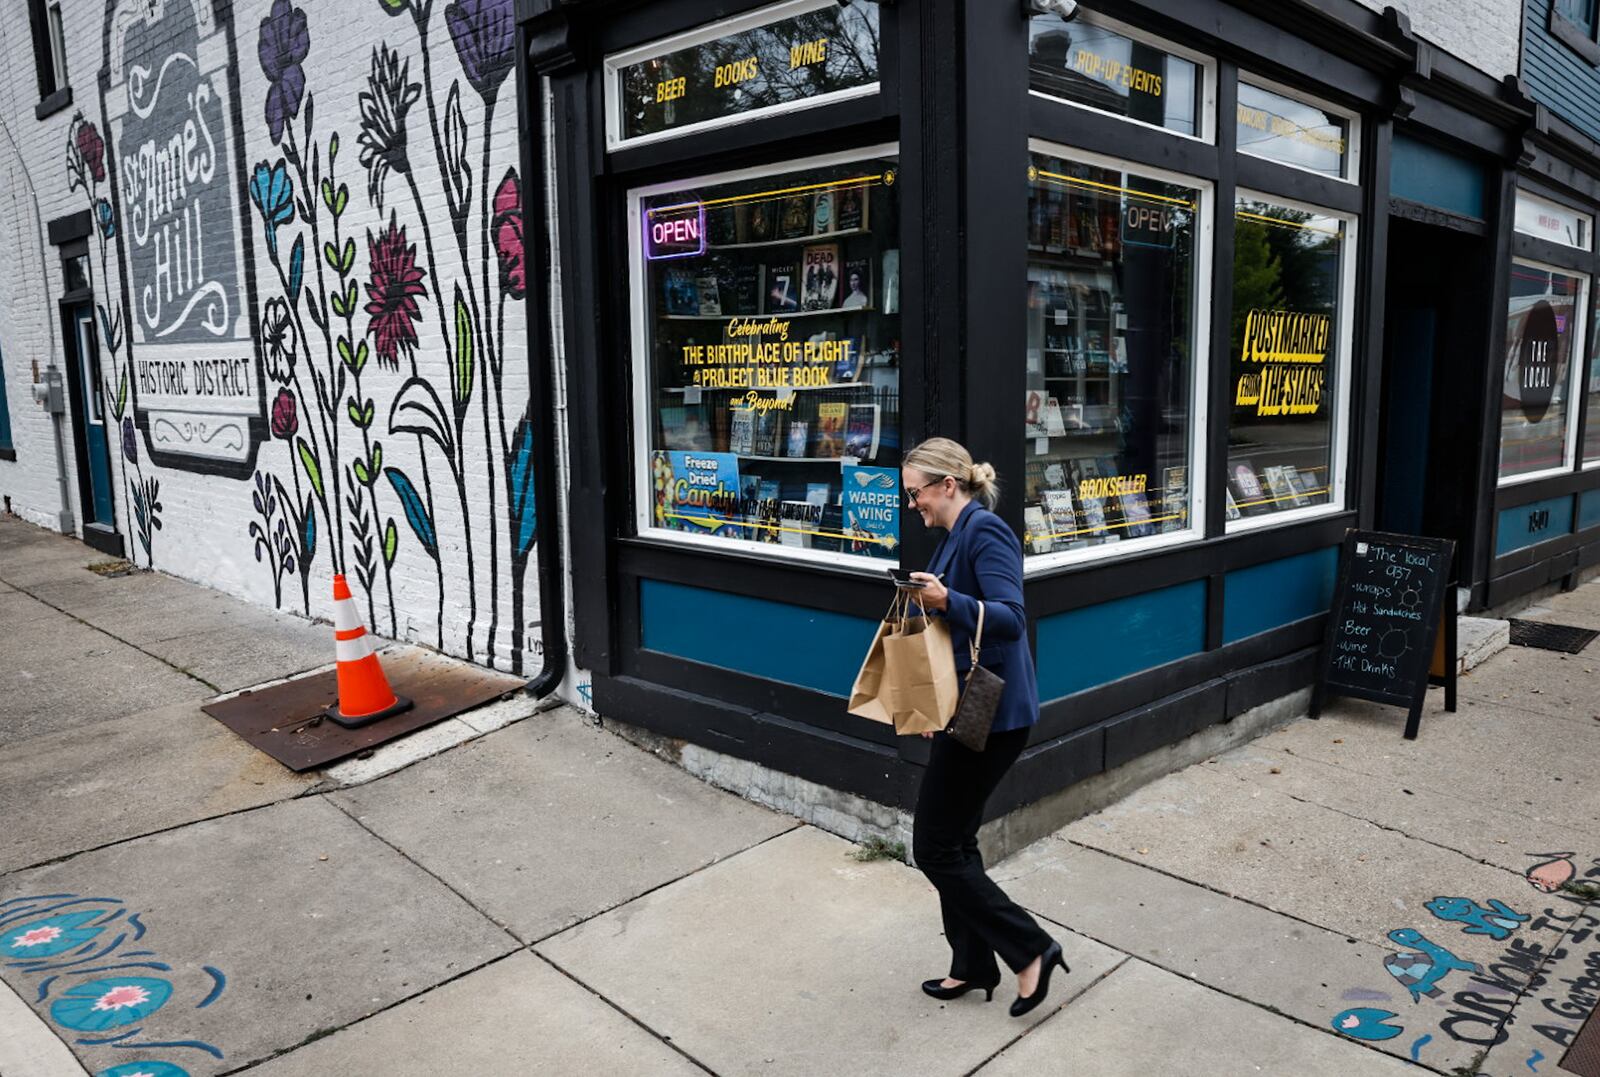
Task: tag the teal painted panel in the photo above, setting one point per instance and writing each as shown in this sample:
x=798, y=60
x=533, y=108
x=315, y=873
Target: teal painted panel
x=1533, y=523
x=1263, y=597
x=1421, y=172
x=1098, y=644
x=810, y=648
x=1589, y=510
x=1556, y=76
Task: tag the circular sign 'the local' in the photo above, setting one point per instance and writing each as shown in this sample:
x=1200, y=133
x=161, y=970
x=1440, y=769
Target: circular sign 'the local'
x=1536, y=359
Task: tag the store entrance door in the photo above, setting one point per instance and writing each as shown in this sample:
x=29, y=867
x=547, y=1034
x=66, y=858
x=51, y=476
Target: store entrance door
x=89, y=429
x=1435, y=345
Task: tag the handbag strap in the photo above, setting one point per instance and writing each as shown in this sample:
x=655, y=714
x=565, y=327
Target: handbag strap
x=977, y=637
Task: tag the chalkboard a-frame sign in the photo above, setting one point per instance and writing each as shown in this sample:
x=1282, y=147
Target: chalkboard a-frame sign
x=1384, y=641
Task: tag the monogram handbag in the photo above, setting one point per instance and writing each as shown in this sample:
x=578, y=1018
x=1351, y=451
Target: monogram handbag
x=979, y=699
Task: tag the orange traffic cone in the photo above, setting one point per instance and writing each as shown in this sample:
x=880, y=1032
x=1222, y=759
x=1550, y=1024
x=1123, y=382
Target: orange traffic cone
x=364, y=692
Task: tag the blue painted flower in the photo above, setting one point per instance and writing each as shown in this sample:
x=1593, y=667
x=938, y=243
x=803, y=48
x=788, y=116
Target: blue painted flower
x=144, y=1069
x=47, y=938
x=282, y=47
x=272, y=191
x=110, y=1003
x=106, y=217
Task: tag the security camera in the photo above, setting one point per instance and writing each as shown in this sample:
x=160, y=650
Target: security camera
x=1066, y=10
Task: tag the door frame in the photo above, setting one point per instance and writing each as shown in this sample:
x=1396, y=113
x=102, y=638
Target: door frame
x=103, y=537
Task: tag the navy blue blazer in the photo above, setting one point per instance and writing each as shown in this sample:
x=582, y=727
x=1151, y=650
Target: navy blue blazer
x=982, y=560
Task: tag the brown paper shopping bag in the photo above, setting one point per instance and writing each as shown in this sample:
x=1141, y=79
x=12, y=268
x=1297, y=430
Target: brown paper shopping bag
x=922, y=662
x=870, y=696
x=908, y=678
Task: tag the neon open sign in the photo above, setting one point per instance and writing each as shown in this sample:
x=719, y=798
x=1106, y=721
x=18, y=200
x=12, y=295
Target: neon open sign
x=675, y=231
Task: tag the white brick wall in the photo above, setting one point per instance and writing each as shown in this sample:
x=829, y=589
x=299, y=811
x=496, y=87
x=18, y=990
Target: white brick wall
x=205, y=518
x=1485, y=33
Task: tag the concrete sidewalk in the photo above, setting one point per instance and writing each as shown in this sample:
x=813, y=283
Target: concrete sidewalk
x=548, y=898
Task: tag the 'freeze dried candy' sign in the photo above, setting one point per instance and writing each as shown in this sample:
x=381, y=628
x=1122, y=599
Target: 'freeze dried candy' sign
x=168, y=99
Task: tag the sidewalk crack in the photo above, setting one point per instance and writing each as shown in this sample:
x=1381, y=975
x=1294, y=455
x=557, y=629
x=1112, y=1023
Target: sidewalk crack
x=112, y=635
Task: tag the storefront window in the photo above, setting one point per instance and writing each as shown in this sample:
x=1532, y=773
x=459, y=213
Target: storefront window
x=767, y=319
x=1545, y=219
x=1287, y=351
x=794, y=54
x=1541, y=324
x=1094, y=65
x=1109, y=413
x=1292, y=132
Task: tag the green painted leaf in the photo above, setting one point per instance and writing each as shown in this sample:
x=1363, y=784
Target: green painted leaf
x=341, y=199
x=350, y=297
x=354, y=412
x=336, y=301
x=461, y=383
x=377, y=461
x=349, y=258
x=361, y=356
x=367, y=415
x=308, y=460
x=361, y=472
x=330, y=254
x=327, y=193
x=391, y=542
x=346, y=354
x=122, y=395
x=333, y=150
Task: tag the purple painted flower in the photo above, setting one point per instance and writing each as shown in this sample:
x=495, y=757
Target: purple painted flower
x=396, y=283
x=285, y=417
x=130, y=441
x=92, y=148
x=508, y=236
x=284, y=44
x=484, y=33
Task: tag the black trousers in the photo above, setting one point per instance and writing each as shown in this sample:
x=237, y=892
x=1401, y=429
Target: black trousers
x=980, y=921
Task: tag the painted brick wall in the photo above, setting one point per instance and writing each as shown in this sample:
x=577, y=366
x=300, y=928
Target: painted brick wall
x=1484, y=33
x=340, y=225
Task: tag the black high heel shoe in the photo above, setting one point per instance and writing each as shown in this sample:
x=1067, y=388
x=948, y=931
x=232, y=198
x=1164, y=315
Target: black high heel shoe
x=938, y=990
x=1047, y=964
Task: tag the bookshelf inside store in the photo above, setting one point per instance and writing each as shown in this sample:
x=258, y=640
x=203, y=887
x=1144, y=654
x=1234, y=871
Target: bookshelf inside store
x=1110, y=356
x=772, y=333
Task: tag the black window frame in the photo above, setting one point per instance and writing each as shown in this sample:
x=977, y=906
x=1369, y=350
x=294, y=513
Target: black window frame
x=55, y=88
x=1575, y=36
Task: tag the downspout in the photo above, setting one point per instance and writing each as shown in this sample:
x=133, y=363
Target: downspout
x=541, y=381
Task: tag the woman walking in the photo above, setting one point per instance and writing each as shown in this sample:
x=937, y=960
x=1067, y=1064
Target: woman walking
x=979, y=561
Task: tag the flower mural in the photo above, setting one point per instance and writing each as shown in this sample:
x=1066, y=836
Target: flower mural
x=284, y=43
x=410, y=252
x=385, y=103
x=284, y=418
x=484, y=34
x=101, y=1004
x=393, y=289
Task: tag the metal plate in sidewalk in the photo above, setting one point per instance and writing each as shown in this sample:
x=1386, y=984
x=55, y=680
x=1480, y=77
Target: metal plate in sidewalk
x=286, y=722
x=1551, y=637
x=1583, y=1057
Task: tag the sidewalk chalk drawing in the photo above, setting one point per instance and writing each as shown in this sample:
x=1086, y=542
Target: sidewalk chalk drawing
x=1497, y=921
x=1365, y=1023
x=1522, y=990
x=1551, y=874
x=90, y=980
x=1420, y=971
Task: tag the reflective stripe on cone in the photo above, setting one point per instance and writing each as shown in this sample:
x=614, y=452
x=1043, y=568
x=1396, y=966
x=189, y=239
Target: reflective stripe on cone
x=364, y=692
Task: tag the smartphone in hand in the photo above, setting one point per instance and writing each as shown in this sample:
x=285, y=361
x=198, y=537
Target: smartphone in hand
x=902, y=578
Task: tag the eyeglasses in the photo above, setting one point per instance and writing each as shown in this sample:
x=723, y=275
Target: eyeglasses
x=913, y=491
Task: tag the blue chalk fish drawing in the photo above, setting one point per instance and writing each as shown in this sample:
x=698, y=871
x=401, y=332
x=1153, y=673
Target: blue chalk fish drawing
x=1365, y=1023
x=1419, y=972
x=1498, y=920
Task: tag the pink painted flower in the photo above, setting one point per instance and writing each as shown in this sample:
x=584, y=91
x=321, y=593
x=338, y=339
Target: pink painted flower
x=285, y=420
x=396, y=282
x=119, y=997
x=508, y=236
x=36, y=937
x=92, y=148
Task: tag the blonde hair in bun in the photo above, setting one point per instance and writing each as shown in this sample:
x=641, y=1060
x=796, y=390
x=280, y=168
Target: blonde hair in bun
x=938, y=457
